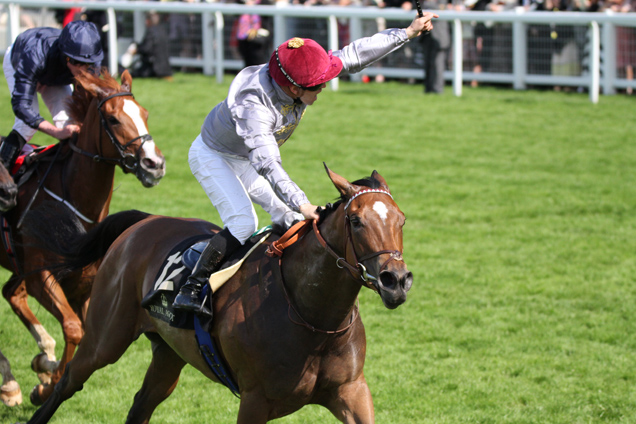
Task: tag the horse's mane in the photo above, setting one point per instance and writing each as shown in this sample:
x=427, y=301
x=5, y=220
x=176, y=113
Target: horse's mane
x=87, y=87
x=369, y=182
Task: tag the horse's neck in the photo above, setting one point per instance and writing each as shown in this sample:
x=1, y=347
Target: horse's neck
x=88, y=184
x=323, y=293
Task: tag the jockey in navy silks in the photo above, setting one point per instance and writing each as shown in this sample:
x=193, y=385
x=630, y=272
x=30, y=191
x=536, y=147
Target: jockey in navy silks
x=45, y=60
x=236, y=158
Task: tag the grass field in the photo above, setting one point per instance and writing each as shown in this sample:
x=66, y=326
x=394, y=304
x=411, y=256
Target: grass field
x=521, y=234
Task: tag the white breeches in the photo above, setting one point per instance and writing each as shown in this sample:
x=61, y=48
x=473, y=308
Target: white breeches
x=53, y=97
x=232, y=184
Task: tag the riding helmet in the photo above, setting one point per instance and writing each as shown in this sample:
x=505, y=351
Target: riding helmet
x=304, y=63
x=80, y=40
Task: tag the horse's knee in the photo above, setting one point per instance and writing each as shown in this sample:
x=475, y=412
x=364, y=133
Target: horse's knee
x=14, y=292
x=73, y=331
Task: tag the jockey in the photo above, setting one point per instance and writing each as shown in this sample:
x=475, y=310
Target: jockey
x=236, y=157
x=45, y=61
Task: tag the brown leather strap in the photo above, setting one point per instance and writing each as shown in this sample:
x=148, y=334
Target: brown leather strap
x=290, y=237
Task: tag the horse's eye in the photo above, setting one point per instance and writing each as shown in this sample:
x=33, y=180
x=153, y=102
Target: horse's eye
x=355, y=221
x=113, y=121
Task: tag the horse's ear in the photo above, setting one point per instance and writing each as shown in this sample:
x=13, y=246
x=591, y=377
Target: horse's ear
x=375, y=175
x=126, y=81
x=344, y=187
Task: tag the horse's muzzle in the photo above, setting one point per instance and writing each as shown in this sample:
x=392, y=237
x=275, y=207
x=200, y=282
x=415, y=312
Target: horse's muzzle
x=393, y=286
x=151, y=169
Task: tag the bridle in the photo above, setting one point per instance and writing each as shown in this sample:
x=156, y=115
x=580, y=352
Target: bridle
x=357, y=269
x=129, y=162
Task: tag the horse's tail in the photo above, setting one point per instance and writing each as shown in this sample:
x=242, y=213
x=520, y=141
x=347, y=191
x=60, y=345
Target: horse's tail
x=57, y=229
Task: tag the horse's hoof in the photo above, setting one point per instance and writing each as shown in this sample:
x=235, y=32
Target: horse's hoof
x=41, y=363
x=36, y=395
x=10, y=394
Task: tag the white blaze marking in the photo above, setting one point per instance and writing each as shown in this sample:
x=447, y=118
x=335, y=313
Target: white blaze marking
x=131, y=109
x=381, y=209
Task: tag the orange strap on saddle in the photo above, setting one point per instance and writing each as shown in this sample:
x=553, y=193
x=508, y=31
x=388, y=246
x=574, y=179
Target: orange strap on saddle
x=290, y=237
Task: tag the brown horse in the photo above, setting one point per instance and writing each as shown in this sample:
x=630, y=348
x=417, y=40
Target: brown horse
x=78, y=173
x=288, y=327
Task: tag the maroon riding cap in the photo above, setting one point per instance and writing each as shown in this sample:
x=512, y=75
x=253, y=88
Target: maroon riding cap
x=304, y=63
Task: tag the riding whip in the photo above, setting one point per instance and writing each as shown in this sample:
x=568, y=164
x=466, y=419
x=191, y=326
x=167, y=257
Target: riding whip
x=419, y=8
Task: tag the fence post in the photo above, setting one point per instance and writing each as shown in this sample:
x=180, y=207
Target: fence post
x=14, y=21
x=280, y=26
x=595, y=58
x=519, y=56
x=333, y=45
x=355, y=33
x=608, y=65
x=139, y=26
x=113, y=50
x=219, y=44
x=458, y=57
x=207, y=42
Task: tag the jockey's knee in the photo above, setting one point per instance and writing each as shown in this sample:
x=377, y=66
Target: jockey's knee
x=242, y=230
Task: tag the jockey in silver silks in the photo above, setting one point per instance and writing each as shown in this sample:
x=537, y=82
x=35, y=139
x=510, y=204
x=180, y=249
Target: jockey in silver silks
x=236, y=158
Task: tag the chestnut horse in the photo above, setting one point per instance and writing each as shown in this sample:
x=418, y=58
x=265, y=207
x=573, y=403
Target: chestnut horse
x=80, y=174
x=287, y=326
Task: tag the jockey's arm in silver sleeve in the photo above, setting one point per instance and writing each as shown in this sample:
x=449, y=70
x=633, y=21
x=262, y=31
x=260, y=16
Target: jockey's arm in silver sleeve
x=365, y=51
x=255, y=125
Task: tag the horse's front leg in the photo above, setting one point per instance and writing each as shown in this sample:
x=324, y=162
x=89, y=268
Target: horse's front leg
x=48, y=292
x=15, y=292
x=351, y=403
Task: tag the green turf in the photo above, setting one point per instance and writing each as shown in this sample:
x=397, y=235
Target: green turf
x=521, y=234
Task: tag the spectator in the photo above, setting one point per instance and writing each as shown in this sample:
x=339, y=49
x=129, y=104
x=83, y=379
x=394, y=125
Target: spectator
x=252, y=37
x=153, y=55
x=436, y=45
x=625, y=44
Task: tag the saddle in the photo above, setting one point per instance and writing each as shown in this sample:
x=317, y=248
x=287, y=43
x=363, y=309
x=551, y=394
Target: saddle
x=31, y=154
x=176, y=269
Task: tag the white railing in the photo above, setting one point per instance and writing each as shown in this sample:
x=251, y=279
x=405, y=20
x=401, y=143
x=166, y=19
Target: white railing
x=600, y=71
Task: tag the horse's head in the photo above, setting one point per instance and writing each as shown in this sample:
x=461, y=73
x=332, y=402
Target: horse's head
x=122, y=124
x=8, y=190
x=373, y=226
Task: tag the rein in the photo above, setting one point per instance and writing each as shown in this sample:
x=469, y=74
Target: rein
x=127, y=161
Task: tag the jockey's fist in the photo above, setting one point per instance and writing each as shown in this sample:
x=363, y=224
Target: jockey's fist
x=309, y=211
x=421, y=24
x=68, y=131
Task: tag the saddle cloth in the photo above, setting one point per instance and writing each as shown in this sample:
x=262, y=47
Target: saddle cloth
x=30, y=154
x=177, y=267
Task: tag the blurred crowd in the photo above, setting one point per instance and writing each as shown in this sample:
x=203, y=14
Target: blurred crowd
x=552, y=49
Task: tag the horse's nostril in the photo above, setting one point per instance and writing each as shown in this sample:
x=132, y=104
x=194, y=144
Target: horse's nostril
x=149, y=163
x=388, y=280
x=407, y=281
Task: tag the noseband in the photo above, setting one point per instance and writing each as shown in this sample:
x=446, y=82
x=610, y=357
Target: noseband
x=357, y=269
x=127, y=161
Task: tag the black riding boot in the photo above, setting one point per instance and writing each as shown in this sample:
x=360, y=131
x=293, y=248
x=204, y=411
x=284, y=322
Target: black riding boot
x=10, y=148
x=218, y=248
